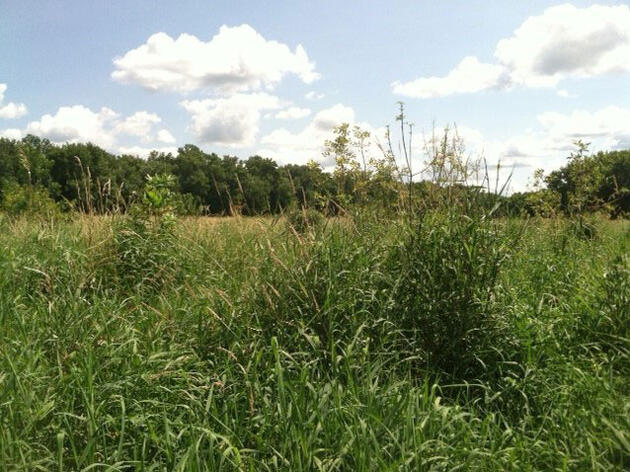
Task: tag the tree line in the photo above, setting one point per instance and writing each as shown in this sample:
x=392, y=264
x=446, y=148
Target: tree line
x=35, y=173
x=587, y=183
x=87, y=178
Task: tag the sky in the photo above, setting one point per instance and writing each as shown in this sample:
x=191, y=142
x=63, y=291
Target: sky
x=520, y=81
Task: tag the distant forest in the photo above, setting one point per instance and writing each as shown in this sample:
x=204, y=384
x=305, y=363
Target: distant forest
x=87, y=178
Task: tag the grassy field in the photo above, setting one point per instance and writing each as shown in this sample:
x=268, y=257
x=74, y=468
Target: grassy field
x=455, y=343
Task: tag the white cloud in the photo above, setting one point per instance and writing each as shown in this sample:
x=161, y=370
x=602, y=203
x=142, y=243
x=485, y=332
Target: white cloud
x=143, y=152
x=11, y=133
x=231, y=121
x=607, y=128
x=312, y=95
x=104, y=128
x=297, y=148
x=568, y=41
x=548, y=146
x=293, y=113
x=469, y=76
x=236, y=59
x=76, y=124
x=328, y=118
x=564, y=41
x=165, y=136
x=139, y=124
x=11, y=110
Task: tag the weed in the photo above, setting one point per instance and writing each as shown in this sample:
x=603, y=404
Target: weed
x=145, y=240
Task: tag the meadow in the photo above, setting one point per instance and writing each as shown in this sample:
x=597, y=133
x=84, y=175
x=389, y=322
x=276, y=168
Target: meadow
x=451, y=341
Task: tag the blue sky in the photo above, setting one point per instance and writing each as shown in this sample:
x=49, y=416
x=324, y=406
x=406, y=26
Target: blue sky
x=520, y=79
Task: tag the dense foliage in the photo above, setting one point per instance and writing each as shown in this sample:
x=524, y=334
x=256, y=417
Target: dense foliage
x=87, y=178
x=587, y=183
x=91, y=179
x=143, y=342
x=34, y=174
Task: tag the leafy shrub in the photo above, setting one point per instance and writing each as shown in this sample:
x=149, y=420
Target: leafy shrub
x=18, y=200
x=186, y=204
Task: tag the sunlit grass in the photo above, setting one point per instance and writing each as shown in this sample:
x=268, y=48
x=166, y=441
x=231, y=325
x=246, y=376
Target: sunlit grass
x=269, y=349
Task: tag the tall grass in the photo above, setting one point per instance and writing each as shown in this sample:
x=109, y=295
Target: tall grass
x=460, y=342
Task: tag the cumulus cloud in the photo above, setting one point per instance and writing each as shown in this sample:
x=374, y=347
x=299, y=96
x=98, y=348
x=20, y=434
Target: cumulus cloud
x=165, y=136
x=236, y=59
x=288, y=147
x=293, y=113
x=105, y=127
x=469, y=76
x=76, y=124
x=568, y=41
x=607, y=128
x=564, y=41
x=11, y=110
x=139, y=124
x=232, y=121
x=548, y=145
x=11, y=133
x=143, y=152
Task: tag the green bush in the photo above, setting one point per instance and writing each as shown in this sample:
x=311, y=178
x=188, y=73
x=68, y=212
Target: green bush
x=33, y=200
x=186, y=204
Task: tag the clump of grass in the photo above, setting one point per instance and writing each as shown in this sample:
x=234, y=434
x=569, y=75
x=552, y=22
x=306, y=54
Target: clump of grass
x=448, y=269
x=585, y=228
x=319, y=294
x=304, y=220
x=609, y=326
